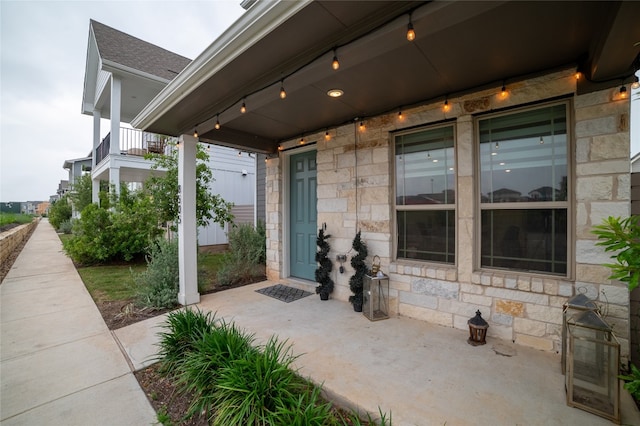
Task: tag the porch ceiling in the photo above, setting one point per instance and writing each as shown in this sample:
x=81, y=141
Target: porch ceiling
x=459, y=46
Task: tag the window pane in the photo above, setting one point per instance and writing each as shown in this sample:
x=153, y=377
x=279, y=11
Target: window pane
x=427, y=235
x=527, y=240
x=425, y=167
x=523, y=156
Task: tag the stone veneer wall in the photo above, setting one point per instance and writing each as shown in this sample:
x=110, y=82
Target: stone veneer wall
x=10, y=239
x=355, y=192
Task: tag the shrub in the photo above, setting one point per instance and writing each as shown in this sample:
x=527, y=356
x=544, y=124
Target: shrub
x=251, y=388
x=122, y=233
x=183, y=329
x=92, y=238
x=215, y=351
x=246, y=257
x=157, y=287
x=59, y=212
x=66, y=227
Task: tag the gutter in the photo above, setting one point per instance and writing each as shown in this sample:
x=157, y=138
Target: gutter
x=261, y=19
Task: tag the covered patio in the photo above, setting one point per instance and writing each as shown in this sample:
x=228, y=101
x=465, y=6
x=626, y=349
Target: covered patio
x=423, y=374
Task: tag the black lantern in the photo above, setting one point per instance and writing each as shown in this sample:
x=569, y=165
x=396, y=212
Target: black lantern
x=477, y=330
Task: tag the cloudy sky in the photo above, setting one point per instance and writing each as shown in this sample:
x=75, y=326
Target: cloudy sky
x=43, y=53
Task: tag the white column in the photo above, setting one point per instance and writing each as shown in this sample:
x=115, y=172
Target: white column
x=116, y=89
x=114, y=174
x=187, y=229
x=95, y=193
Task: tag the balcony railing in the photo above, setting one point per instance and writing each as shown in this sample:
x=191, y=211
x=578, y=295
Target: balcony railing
x=136, y=142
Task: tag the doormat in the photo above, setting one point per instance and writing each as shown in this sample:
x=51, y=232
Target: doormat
x=284, y=293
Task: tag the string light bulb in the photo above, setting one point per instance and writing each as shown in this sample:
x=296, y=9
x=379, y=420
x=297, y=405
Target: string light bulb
x=541, y=140
x=636, y=82
x=623, y=92
x=327, y=136
x=335, y=64
x=195, y=132
x=446, y=107
x=411, y=34
x=217, y=125
x=503, y=91
x=400, y=116
x=302, y=141
x=362, y=126
x=577, y=75
x=243, y=108
x=283, y=94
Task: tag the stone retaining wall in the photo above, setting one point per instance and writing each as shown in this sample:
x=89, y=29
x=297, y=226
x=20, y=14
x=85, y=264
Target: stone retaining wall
x=10, y=239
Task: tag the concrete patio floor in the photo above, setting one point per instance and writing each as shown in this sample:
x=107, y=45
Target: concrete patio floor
x=420, y=373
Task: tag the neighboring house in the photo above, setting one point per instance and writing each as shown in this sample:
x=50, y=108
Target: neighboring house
x=63, y=188
x=77, y=168
x=486, y=95
x=122, y=75
x=29, y=207
x=43, y=208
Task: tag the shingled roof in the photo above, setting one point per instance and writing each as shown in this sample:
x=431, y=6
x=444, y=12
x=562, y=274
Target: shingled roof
x=121, y=48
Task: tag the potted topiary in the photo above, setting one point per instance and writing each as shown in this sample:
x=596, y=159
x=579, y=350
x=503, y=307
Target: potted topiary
x=357, y=279
x=323, y=272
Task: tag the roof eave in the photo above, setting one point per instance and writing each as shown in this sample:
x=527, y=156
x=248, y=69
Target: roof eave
x=252, y=26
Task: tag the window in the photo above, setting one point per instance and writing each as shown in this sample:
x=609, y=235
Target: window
x=425, y=195
x=523, y=190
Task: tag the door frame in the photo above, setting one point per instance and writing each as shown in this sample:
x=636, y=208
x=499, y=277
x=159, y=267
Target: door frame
x=285, y=267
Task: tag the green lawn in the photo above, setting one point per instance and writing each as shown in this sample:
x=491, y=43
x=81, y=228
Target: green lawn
x=115, y=282
x=7, y=218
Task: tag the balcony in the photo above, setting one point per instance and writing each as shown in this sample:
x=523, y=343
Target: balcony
x=136, y=142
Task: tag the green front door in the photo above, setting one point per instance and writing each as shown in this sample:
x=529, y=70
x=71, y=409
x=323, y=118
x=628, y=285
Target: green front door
x=303, y=215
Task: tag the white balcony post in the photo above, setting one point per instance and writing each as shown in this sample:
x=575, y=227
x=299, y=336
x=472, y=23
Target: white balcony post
x=95, y=183
x=116, y=89
x=187, y=229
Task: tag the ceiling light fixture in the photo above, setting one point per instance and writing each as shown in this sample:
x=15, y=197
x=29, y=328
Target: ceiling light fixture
x=362, y=126
x=335, y=93
x=243, y=108
x=335, y=64
x=217, y=125
x=195, y=132
x=283, y=94
x=636, y=82
x=302, y=141
x=411, y=34
x=446, y=107
x=503, y=91
x=327, y=136
x=541, y=140
x=400, y=116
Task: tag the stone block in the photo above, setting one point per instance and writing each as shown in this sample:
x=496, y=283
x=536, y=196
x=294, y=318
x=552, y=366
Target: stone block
x=438, y=288
x=550, y=287
x=500, y=332
x=594, y=188
x=421, y=300
x=602, y=168
x=509, y=307
x=537, y=285
x=593, y=273
x=588, y=289
x=614, y=294
x=471, y=288
x=476, y=278
x=582, y=150
x=524, y=283
x=623, y=191
x=609, y=147
x=540, y=313
x=601, y=211
x=587, y=252
x=428, y=315
x=540, y=343
x=497, y=281
x=333, y=205
x=565, y=289
x=518, y=296
x=582, y=216
x=476, y=299
x=485, y=279
x=502, y=319
x=511, y=282
x=596, y=126
x=457, y=307
x=531, y=328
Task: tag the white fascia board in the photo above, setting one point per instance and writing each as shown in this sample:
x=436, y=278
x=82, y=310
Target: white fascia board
x=119, y=69
x=252, y=26
x=92, y=65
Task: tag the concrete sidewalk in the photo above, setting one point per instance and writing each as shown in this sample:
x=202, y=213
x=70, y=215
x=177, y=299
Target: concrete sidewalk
x=423, y=374
x=59, y=363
